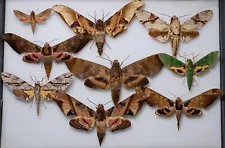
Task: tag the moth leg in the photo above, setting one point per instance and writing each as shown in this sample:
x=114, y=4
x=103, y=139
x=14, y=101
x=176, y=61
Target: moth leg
x=195, y=80
x=34, y=101
x=44, y=104
x=107, y=45
x=184, y=79
x=92, y=44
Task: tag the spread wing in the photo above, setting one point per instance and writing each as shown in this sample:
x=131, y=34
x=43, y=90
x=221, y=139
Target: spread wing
x=204, y=63
x=70, y=106
x=73, y=44
x=131, y=105
x=41, y=17
x=173, y=64
x=84, y=69
x=158, y=28
x=148, y=66
x=190, y=27
x=19, y=44
x=20, y=88
x=22, y=16
x=167, y=106
x=203, y=100
x=116, y=24
x=78, y=23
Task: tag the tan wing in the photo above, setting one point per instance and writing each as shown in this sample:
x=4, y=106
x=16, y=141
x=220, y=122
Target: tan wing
x=148, y=66
x=156, y=99
x=63, y=101
x=78, y=23
x=73, y=44
x=203, y=100
x=22, y=16
x=117, y=23
x=41, y=17
x=98, y=82
x=166, y=112
x=21, y=88
x=84, y=69
x=190, y=27
x=19, y=44
x=131, y=105
x=158, y=28
x=132, y=81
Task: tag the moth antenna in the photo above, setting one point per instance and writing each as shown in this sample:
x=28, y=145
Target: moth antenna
x=36, y=9
x=106, y=15
x=103, y=15
x=173, y=94
x=43, y=78
x=184, y=15
x=108, y=58
x=184, y=57
x=31, y=78
x=53, y=40
x=40, y=42
x=105, y=59
x=193, y=57
x=28, y=10
x=95, y=16
x=165, y=15
x=107, y=45
x=184, y=95
x=92, y=17
x=107, y=102
x=92, y=102
x=124, y=60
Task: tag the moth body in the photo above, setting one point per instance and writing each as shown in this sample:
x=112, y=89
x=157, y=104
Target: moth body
x=33, y=21
x=189, y=73
x=99, y=35
x=37, y=96
x=174, y=34
x=115, y=81
x=179, y=108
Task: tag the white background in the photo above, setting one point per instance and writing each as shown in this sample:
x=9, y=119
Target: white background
x=23, y=129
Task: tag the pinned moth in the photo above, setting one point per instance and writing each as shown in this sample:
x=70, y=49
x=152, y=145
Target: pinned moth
x=33, y=18
x=190, y=68
x=175, y=31
x=38, y=92
x=47, y=53
x=100, y=77
x=190, y=107
x=115, y=25
x=85, y=118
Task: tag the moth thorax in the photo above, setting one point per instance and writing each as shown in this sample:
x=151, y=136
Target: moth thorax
x=99, y=26
x=179, y=104
x=37, y=88
x=100, y=113
x=116, y=70
x=175, y=25
x=47, y=50
x=189, y=64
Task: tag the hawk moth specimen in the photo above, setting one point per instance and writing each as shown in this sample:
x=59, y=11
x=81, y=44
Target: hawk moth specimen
x=190, y=68
x=190, y=107
x=47, y=53
x=33, y=18
x=101, y=77
x=85, y=118
x=175, y=31
x=115, y=25
x=38, y=92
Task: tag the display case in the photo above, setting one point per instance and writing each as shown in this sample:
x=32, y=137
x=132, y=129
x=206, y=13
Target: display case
x=21, y=127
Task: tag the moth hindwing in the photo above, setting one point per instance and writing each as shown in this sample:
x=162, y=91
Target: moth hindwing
x=35, y=53
x=115, y=25
x=85, y=118
x=190, y=107
x=33, y=18
x=100, y=77
x=174, y=31
x=189, y=69
x=37, y=92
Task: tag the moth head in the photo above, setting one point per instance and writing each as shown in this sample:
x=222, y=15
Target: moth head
x=32, y=13
x=178, y=99
x=100, y=106
x=189, y=62
x=174, y=18
x=116, y=63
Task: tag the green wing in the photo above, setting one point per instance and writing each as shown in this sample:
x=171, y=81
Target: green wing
x=204, y=63
x=174, y=64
